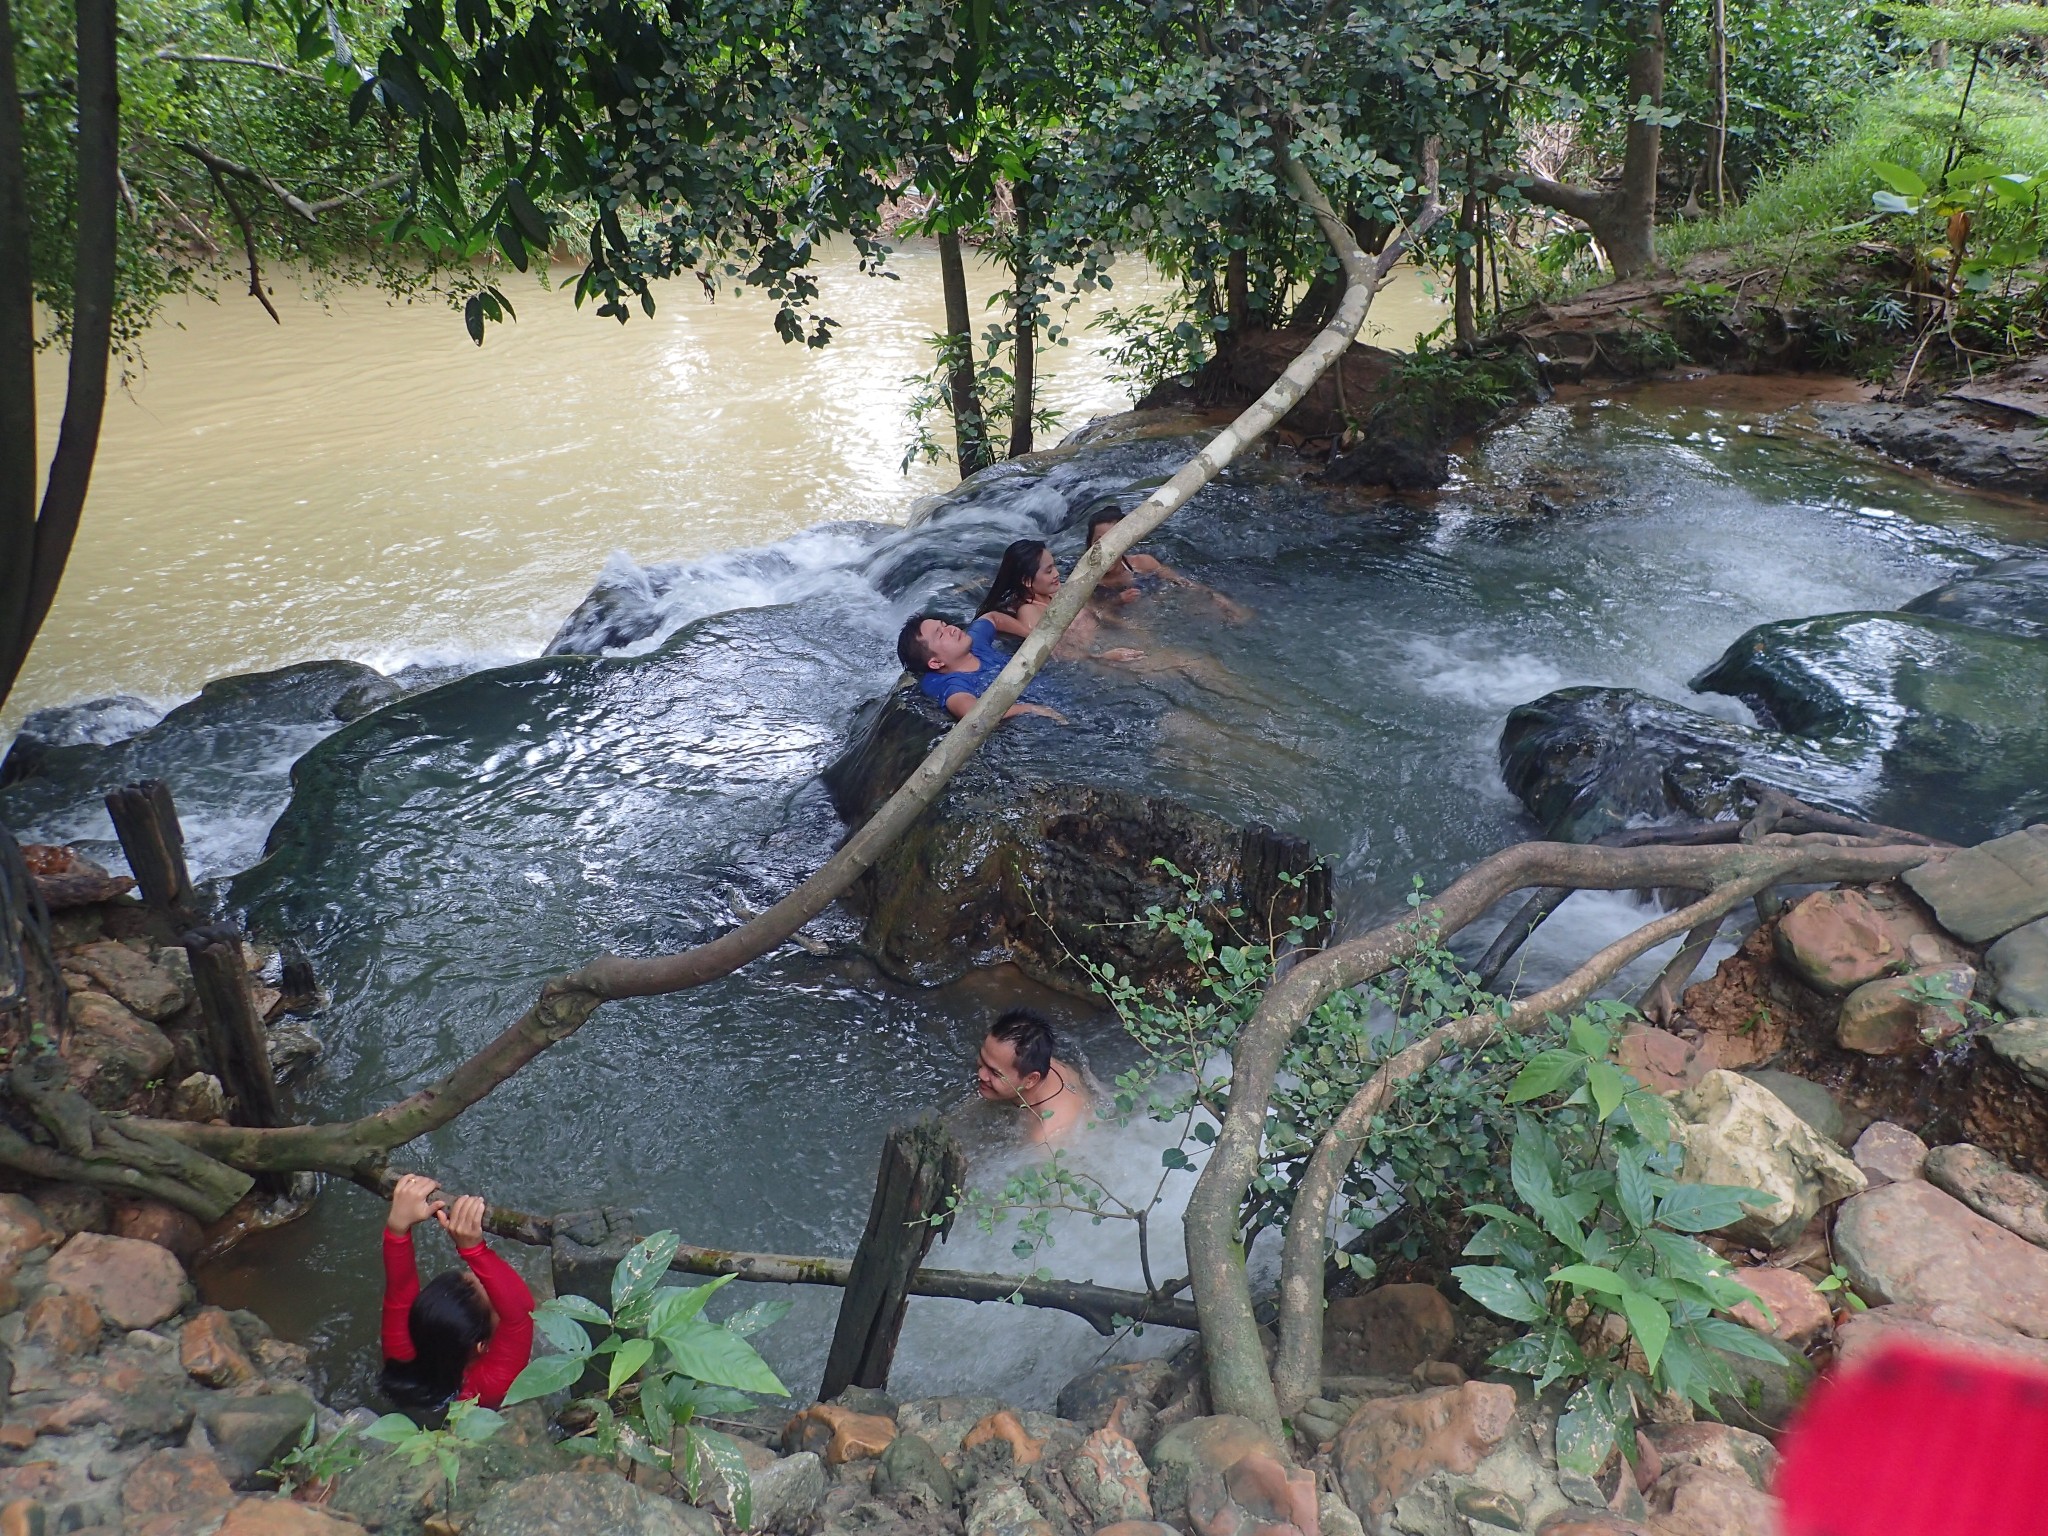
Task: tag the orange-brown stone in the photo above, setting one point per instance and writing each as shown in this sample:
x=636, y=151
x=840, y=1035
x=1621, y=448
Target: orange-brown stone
x=211, y=1353
x=838, y=1435
x=64, y=1324
x=1004, y=1425
x=173, y=1493
x=284, y=1517
x=1392, y=1444
x=1799, y=1313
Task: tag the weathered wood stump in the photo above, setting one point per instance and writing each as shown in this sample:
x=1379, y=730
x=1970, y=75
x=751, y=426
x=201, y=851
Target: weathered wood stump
x=147, y=823
x=235, y=1033
x=922, y=1166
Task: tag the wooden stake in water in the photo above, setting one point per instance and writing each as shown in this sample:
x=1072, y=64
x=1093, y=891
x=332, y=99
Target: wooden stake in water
x=922, y=1166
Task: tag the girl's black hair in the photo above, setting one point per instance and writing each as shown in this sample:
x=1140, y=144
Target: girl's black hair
x=449, y=1319
x=1006, y=593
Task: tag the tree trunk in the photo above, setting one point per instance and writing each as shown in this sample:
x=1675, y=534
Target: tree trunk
x=1024, y=336
x=26, y=594
x=17, y=363
x=1464, y=321
x=1717, y=87
x=1237, y=294
x=1624, y=220
x=970, y=426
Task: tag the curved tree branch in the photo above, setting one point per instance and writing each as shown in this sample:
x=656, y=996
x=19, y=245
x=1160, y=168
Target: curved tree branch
x=1238, y=1378
x=1297, y=1370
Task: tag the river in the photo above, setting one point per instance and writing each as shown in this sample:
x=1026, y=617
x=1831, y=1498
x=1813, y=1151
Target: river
x=446, y=853
x=362, y=481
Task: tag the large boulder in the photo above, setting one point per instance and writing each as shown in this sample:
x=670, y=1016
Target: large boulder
x=1835, y=941
x=1986, y=892
x=1738, y=1132
x=2023, y=1044
x=562, y=1503
x=1912, y=1244
x=226, y=752
x=133, y=1283
x=1955, y=437
x=1946, y=717
x=1387, y=1331
x=1392, y=1444
x=1587, y=761
x=1898, y=1015
x=391, y=1496
x=1012, y=863
x=145, y=986
x=2019, y=969
x=2018, y=1202
x=112, y=1053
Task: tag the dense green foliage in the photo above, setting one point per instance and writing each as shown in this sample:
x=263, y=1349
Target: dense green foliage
x=1598, y=1256
x=664, y=1364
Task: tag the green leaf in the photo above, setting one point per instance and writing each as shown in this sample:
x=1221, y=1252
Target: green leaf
x=1546, y=1072
x=1632, y=1191
x=1501, y=1291
x=565, y=1333
x=1586, y=1432
x=674, y=1305
x=711, y=1354
x=1899, y=178
x=532, y=223
x=548, y=1373
x=473, y=1423
x=1609, y=1084
x=1707, y=1207
x=1719, y=1333
x=633, y=1354
x=1650, y=1115
x=754, y=1319
x=582, y=1308
x=1590, y=1277
x=391, y=1428
x=639, y=1272
x=1590, y=1038
x=718, y=1451
x=1648, y=1320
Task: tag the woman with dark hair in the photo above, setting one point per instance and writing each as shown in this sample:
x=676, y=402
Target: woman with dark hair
x=468, y=1333
x=1137, y=573
x=1027, y=581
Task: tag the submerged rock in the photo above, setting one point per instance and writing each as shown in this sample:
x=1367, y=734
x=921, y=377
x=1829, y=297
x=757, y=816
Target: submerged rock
x=94, y=723
x=1008, y=864
x=2009, y=597
x=1904, y=719
x=1587, y=761
x=225, y=753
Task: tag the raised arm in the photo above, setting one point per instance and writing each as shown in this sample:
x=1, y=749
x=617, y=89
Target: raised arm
x=511, y=1343
x=412, y=1202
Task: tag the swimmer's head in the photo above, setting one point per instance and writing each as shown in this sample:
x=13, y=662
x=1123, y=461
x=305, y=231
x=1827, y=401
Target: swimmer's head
x=930, y=643
x=1015, y=1056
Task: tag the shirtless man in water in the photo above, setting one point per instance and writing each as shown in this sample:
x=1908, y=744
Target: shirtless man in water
x=1017, y=1067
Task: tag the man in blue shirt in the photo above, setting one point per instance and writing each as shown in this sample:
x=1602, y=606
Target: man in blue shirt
x=954, y=666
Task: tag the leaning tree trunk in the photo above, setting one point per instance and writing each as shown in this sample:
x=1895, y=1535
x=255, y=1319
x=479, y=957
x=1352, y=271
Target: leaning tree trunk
x=970, y=426
x=1623, y=220
x=357, y=1148
x=1464, y=321
x=35, y=544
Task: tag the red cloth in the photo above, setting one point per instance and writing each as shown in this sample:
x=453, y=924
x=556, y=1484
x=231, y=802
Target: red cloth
x=1919, y=1443
x=490, y=1375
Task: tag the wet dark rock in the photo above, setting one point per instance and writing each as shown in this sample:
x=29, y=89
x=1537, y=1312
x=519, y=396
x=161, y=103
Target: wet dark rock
x=1587, y=761
x=622, y=609
x=389, y=1494
x=1907, y=720
x=1009, y=865
x=223, y=752
x=2009, y=597
x=96, y=722
x=1966, y=440
x=1398, y=463
x=249, y=1433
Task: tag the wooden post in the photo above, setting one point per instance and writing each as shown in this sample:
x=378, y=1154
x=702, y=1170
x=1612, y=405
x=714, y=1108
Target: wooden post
x=922, y=1166
x=241, y=1051
x=147, y=824
x=1263, y=856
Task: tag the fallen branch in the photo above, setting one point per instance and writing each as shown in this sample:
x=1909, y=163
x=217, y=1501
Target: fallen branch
x=248, y=232
x=1238, y=1378
x=170, y=56
x=219, y=166
x=566, y=1002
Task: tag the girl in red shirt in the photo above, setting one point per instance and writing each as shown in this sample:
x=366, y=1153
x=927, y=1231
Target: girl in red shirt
x=469, y=1332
